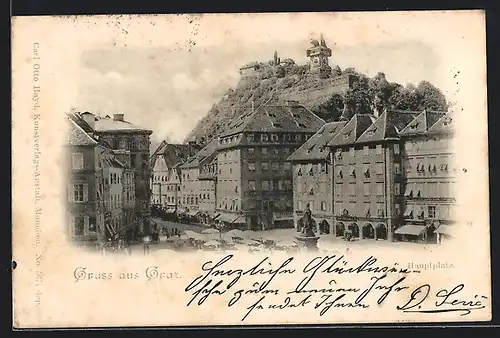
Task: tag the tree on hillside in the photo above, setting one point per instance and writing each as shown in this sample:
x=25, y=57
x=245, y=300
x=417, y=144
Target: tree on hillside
x=332, y=108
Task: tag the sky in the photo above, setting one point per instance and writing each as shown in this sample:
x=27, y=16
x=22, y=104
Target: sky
x=165, y=72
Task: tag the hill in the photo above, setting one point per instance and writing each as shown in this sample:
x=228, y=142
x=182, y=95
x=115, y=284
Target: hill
x=344, y=91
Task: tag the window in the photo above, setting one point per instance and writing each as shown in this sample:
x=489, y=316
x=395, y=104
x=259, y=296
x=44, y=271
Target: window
x=288, y=184
x=397, y=209
x=352, y=189
x=431, y=211
x=80, y=192
x=288, y=166
x=79, y=223
x=379, y=168
x=324, y=168
x=378, y=149
x=275, y=137
x=275, y=166
x=286, y=151
x=366, y=170
x=280, y=185
x=299, y=171
x=311, y=170
x=265, y=165
x=396, y=149
x=265, y=185
x=397, y=189
x=352, y=151
x=275, y=151
x=250, y=137
x=366, y=150
x=264, y=137
x=352, y=171
x=299, y=205
x=380, y=189
x=366, y=189
x=236, y=189
x=275, y=185
x=397, y=168
x=339, y=173
x=311, y=205
x=298, y=137
x=338, y=154
x=323, y=206
x=264, y=151
x=77, y=161
x=251, y=151
x=311, y=191
x=251, y=166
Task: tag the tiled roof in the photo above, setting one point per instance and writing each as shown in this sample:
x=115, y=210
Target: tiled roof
x=174, y=153
x=77, y=136
x=207, y=152
x=422, y=123
x=108, y=124
x=315, y=148
x=276, y=118
x=388, y=125
x=77, y=118
x=113, y=162
x=352, y=130
x=444, y=125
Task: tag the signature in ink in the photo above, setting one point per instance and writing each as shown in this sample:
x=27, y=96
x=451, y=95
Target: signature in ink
x=443, y=300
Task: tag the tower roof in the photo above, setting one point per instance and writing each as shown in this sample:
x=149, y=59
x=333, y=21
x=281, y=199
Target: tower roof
x=352, y=130
x=422, y=123
x=316, y=147
x=387, y=126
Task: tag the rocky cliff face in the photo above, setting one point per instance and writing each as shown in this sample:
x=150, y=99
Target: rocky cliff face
x=272, y=84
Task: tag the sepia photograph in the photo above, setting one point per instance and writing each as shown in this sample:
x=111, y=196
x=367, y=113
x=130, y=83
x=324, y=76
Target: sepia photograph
x=342, y=142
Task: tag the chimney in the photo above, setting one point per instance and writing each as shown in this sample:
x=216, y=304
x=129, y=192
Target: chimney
x=118, y=117
x=253, y=106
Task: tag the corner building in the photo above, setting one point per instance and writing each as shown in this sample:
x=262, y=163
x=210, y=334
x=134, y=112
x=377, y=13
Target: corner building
x=254, y=180
x=313, y=178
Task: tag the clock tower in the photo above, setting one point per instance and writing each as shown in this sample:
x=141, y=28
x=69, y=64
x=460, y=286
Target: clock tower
x=318, y=54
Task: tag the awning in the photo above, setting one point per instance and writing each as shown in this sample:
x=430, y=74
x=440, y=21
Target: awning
x=169, y=210
x=445, y=229
x=284, y=216
x=231, y=218
x=410, y=229
x=408, y=191
x=193, y=213
x=408, y=211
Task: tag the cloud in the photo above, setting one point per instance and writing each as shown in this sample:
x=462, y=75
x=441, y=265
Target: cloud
x=181, y=81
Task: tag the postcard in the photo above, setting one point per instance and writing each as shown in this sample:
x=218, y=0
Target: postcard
x=250, y=169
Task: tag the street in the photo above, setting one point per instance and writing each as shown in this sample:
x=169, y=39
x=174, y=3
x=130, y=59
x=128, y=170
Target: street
x=180, y=226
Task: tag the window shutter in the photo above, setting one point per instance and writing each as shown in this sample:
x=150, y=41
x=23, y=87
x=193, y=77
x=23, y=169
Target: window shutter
x=85, y=192
x=71, y=225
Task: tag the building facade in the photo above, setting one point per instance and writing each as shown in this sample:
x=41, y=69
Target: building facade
x=430, y=177
x=86, y=205
x=166, y=174
x=313, y=178
x=393, y=176
x=118, y=134
x=254, y=180
x=191, y=186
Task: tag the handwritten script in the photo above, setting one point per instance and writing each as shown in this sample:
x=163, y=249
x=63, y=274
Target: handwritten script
x=255, y=288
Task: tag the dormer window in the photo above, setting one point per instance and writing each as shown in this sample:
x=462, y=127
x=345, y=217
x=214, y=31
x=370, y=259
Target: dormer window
x=370, y=133
x=367, y=172
x=311, y=192
x=264, y=137
x=339, y=174
x=299, y=172
x=346, y=135
x=311, y=172
x=338, y=154
x=414, y=126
